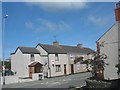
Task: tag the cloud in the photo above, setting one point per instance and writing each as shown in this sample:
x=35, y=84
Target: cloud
x=41, y=25
x=100, y=21
x=59, y=6
x=29, y=25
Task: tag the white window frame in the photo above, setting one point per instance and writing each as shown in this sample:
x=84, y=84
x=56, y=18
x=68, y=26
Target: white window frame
x=58, y=68
x=32, y=57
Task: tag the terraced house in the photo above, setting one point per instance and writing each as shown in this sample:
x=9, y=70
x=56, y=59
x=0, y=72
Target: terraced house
x=51, y=60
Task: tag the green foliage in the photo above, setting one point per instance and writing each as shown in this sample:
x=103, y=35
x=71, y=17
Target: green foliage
x=7, y=64
x=78, y=59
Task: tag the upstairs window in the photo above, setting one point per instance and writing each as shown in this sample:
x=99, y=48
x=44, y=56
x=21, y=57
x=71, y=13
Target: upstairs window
x=58, y=68
x=56, y=57
x=32, y=57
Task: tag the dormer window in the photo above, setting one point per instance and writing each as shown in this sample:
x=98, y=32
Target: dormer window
x=32, y=57
x=56, y=57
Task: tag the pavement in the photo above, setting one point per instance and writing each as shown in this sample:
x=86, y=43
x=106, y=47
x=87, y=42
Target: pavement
x=76, y=80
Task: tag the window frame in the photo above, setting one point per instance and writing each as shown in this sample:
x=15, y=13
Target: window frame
x=56, y=57
x=32, y=57
x=58, y=68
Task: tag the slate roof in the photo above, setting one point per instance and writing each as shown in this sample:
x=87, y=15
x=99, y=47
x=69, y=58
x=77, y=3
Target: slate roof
x=65, y=49
x=27, y=50
x=53, y=49
x=75, y=49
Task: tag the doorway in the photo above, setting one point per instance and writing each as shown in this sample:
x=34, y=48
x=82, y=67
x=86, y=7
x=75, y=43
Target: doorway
x=35, y=67
x=64, y=69
x=72, y=68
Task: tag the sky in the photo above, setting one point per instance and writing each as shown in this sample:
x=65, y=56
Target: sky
x=69, y=23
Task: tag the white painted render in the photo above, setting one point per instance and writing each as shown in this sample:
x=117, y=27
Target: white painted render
x=42, y=51
x=27, y=61
x=17, y=61
x=20, y=62
x=78, y=67
x=63, y=59
x=111, y=50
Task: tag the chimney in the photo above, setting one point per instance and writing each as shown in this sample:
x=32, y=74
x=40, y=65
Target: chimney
x=79, y=45
x=56, y=43
x=117, y=11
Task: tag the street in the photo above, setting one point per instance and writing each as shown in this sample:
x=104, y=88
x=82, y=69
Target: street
x=56, y=82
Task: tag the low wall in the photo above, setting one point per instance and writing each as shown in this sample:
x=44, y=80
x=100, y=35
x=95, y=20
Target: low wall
x=37, y=76
x=10, y=79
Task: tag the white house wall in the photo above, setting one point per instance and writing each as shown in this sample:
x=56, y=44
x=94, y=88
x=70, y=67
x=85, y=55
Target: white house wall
x=44, y=59
x=41, y=50
x=111, y=50
x=63, y=59
x=45, y=62
x=27, y=58
x=17, y=61
x=119, y=42
x=78, y=67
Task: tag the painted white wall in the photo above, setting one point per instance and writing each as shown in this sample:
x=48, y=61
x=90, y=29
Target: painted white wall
x=44, y=59
x=119, y=42
x=27, y=61
x=41, y=50
x=20, y=62
x=78, y=67
x=17, y=61
x=63, y=59
x=111, y=50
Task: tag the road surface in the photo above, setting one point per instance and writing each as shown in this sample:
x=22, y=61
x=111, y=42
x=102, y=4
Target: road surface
x=56, y=82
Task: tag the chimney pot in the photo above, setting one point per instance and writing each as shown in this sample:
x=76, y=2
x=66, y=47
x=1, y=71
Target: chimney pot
x=117, y=12
x=79, y=45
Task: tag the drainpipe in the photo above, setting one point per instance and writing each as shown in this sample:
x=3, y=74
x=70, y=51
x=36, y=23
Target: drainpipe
x=49, y=66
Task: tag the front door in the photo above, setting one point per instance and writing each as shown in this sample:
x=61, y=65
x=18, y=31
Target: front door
x=64, y=69
x=31, y=71
x=72, y=68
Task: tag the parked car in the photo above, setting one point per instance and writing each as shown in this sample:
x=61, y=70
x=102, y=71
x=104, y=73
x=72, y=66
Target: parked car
x=8, y=72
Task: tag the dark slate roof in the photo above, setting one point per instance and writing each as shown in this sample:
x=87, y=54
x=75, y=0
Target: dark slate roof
x=65, y=49
x=52, y=49
x=75, y=49
x=29, y=50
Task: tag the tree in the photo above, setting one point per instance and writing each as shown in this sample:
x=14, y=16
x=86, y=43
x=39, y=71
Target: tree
x=96, y=64
x=7, y=64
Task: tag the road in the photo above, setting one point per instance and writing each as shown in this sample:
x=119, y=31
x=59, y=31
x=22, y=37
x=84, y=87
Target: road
x=56, y=82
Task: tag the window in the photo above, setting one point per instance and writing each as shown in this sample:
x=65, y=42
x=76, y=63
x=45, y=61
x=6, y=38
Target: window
x=32, y=57
x=58, y=68
x=119, y=56
x=56, y=57
x=71, y=57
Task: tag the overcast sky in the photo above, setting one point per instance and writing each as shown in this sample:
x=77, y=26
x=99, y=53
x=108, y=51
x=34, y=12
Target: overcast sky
x=31, y=23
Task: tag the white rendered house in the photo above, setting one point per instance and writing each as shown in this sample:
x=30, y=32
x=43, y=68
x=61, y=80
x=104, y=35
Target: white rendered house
x=109, y=44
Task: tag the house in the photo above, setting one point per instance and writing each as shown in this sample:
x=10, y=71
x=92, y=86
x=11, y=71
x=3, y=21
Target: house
x=55, y=59
x=51, y=60
x=74, y=52
x=109, y=44
x=25, y=61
